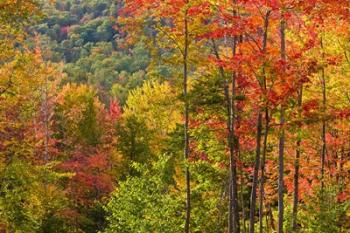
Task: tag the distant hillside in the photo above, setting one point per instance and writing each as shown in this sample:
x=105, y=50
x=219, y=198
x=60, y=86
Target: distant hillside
x=82, y=35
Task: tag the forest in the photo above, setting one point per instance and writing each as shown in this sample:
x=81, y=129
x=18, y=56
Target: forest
x=167, y=116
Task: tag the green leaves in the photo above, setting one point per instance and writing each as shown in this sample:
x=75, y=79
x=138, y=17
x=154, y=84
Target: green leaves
x=77, y=113
x=145, y=204
x=27, y=196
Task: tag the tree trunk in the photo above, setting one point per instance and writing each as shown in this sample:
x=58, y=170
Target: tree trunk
x=233, y=220
x=46, y=122
x=258, y=147
x=296, y=166
x=281, y=140
x=266, y=133
x=324, y=141
x=255, y=174
x=262, y=170
x=241, y=189
x=233, y=161
x=186, y=123
x=272, y=220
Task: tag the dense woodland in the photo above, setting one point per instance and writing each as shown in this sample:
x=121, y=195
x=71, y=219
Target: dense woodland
x=157, y=116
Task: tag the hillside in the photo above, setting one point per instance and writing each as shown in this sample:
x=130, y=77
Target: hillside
x=83, y=35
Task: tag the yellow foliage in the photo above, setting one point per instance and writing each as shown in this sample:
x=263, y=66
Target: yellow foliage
x=156, y=105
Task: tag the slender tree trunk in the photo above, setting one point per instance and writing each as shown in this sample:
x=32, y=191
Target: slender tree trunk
x=296, y=166
x=233, y=220
x=272, y=220
x=186, y=123
x=46, y=122
x=266, y=133
x=262, y=170
x=324, y=141
x=258, y=147
x=219, y=207
x=267, y=223
x=241, y=186
x=324, y=130
x=281, y=140
x=255, y=174
x=281, y=173
x=339, y=165
x=233, y=161
x=230, y=139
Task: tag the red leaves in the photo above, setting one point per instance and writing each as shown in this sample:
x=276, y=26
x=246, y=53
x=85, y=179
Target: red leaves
x=199, y=156
x=273, y=4
x=333, y=60
x=65, y=30
x=91, y=175
x=114, y=109
x=345, y=113
x=344, y=196
x=310, y=105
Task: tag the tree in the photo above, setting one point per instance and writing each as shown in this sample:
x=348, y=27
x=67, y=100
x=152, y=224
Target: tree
x=84, y=132
x=157, y=211
x=151, y=114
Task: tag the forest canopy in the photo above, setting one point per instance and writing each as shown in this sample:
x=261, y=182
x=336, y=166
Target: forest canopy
x=157, y=116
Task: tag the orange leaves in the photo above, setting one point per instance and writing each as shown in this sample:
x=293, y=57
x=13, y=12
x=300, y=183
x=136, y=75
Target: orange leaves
x=223, y=32
x=133, y=7
x=98, y=161
x=199, y=9
x=174, y=6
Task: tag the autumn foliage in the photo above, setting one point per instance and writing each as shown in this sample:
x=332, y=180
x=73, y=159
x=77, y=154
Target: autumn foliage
x=175, y=115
